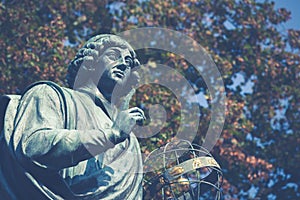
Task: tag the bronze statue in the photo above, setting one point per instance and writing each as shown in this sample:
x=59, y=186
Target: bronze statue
x=73, y=143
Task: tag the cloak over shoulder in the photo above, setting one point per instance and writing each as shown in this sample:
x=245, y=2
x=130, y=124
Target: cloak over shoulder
x=44, y=160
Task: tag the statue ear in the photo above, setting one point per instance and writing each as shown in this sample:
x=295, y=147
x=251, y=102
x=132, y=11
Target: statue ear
x=88, y=65
x=90, y=59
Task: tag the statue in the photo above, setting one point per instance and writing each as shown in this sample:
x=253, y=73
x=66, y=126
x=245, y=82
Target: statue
x=72, y=143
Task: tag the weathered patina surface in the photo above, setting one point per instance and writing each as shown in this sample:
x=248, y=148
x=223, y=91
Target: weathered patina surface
x=74, y=143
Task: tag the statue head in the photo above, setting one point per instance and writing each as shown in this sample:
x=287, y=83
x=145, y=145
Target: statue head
x=88, y=58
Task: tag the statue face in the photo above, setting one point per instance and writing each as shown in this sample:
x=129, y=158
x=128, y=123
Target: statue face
x=116, y=63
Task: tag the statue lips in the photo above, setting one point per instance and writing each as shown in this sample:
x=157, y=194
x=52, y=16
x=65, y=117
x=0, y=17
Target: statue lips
x=119, y=73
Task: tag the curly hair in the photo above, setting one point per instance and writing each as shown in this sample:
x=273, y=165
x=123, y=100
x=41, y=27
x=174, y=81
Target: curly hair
x=87, y=56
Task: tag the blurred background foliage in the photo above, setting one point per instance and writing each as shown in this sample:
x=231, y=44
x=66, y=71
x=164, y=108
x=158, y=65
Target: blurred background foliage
x=259, y=146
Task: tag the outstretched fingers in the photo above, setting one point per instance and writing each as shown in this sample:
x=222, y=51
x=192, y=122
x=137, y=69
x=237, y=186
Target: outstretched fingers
x=137, y=113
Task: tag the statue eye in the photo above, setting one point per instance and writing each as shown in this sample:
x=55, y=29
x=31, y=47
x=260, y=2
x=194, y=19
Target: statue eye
x=113, y=55
x=129, y=62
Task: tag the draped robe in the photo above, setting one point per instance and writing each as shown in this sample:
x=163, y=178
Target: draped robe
x=49, y=161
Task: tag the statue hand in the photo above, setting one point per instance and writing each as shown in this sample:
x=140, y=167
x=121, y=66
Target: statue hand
x=126, y=119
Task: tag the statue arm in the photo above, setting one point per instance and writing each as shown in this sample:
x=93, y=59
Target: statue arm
x=39, y=125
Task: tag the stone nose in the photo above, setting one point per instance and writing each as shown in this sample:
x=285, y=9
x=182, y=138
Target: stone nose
x=122, y=64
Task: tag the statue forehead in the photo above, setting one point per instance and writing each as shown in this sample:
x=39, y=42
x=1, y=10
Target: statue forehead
x=119, y=50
